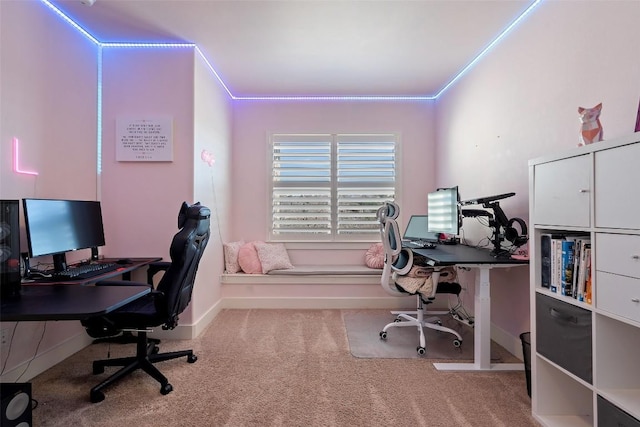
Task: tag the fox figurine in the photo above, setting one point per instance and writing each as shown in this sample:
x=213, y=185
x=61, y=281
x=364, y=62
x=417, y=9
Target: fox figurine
x=591, y=127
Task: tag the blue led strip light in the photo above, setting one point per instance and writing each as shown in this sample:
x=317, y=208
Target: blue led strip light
x=301, y=98
x=488, y=48
x=70, y=21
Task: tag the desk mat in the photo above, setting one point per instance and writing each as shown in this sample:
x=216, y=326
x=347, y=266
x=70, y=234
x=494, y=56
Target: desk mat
x=363, y=333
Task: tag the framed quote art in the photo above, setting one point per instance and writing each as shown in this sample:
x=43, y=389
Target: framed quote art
x=144, y=139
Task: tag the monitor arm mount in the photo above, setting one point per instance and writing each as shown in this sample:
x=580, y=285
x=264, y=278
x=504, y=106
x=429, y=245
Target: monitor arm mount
x=497, y=220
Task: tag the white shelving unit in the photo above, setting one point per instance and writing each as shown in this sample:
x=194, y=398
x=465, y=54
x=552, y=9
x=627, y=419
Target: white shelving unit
x=585, y=358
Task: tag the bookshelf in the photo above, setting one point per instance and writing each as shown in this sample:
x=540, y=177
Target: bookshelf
x=585, y=355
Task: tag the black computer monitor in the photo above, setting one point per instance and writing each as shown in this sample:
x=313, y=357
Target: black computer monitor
x=55, y=227
x=443, y=210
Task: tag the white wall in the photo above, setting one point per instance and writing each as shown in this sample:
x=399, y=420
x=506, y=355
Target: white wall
x=521, y=102
x=212, y=182
x=254, y=121
x=48, y=80
x=49, y=100
x=141, y=199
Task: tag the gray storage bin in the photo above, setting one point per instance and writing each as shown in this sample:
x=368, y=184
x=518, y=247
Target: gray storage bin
x=610, y=415
x=563, y=335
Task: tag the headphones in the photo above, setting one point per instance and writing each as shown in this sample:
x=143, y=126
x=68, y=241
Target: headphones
x=511, y=234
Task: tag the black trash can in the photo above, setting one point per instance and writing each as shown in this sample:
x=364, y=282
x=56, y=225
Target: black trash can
x=525, y=337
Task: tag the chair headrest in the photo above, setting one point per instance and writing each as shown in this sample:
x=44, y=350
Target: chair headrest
x=195, y=211
x=388, y=210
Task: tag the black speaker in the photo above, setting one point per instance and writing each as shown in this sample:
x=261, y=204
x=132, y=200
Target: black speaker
x=9, y=248
x=16, y=405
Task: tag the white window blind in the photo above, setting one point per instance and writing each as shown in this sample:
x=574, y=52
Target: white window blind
x=329, y=187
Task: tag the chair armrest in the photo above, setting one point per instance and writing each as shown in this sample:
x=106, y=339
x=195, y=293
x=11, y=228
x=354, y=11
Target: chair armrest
x=155, y=268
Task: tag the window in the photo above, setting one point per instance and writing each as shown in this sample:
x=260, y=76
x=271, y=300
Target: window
x=329, y=187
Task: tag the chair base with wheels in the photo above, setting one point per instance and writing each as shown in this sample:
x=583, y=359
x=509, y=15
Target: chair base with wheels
x=421, y=318
x=146, y=355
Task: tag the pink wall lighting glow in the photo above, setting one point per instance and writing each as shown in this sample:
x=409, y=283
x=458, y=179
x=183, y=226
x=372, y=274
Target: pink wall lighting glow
x=207, y=157
x=16, y=161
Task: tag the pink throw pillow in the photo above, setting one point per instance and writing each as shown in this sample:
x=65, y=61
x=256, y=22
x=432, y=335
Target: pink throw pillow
x=273, y=256
x=248, y=259
x=231, y=256
x=374, y=257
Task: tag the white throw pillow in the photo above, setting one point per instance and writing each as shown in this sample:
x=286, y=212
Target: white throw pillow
x=231, y=250
x=273, y=256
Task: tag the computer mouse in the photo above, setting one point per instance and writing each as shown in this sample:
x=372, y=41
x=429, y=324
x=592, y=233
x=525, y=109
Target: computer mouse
x=123, y=261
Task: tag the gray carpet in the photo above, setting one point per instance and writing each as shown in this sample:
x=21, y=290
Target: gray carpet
x=363, y=331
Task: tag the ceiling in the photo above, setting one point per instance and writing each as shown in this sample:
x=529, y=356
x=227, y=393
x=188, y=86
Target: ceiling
x=313, y=48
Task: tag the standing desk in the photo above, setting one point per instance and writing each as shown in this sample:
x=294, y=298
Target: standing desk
x=481, y=260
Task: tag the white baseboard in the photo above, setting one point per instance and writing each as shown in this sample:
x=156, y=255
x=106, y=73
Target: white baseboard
x=512, y=344
x=190, y=331
x=43, y=361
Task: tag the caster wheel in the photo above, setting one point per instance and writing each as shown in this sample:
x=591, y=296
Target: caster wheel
x=166, y=389
x=421, y=350
x=192, y=358
x=155, y=349
x=439, y=322
x=383, y=335
x=96, y=396
x=97, y=369
x=457, y=343
x=397, y=320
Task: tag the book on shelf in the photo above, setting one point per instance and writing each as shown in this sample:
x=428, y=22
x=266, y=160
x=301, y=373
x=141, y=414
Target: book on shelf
x=588, y=288
x=563, y=264
x=577, y=251
x=556, y=264
x=566, y=266
x=545, y=260
x=581, y=261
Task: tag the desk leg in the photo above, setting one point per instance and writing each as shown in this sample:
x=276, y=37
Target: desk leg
x=481, y=332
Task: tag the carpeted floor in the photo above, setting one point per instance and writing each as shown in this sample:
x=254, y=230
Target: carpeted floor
x=280, y=368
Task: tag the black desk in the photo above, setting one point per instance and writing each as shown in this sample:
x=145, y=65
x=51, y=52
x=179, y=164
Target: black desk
x=443, y=255
x=73, y=299
x=482, y=261
x=124, y=269
x=67, y=302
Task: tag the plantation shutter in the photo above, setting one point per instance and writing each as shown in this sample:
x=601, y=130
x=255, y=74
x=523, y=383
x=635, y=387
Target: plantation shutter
x=365, y=180
x=329, y=187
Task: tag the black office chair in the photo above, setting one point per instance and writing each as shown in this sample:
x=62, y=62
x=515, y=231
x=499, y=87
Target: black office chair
x=161, y=307
x=398, y=263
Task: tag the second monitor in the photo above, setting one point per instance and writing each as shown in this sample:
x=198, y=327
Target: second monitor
x=443, y=211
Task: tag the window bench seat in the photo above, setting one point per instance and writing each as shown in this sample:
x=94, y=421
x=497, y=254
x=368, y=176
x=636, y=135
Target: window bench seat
x=310, y=274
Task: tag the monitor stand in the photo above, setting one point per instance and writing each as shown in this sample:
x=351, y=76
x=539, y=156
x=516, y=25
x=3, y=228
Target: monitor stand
x=59, y=262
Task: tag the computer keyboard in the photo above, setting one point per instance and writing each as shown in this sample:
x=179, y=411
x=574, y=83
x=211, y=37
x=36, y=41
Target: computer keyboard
x=418, y=245
x=85, y=271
